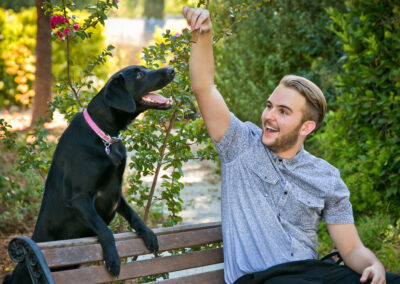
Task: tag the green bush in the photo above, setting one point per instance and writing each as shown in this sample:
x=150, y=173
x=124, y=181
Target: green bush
x=22, y=175
x=363, y=133
x=276, y=39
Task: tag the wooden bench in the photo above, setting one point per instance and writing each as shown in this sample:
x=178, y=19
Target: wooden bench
x=86, y=253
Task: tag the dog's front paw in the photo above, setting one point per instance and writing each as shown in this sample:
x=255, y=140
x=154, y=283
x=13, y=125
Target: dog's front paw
x=150, y=240
x=113, y=263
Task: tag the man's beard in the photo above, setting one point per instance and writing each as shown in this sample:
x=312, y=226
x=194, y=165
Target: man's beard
x=285, y=142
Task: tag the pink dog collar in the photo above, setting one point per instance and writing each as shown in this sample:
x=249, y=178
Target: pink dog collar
x=107, y=139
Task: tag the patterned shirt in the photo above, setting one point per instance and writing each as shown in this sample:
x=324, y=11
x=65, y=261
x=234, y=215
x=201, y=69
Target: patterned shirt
x=272, y=207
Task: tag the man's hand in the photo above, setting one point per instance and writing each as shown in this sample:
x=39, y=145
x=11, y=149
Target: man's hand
x=375, y=272
x=198, y=19
x=355, y=255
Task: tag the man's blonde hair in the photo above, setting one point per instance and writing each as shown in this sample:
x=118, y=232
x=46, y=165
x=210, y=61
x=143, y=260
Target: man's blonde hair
x=316, y=103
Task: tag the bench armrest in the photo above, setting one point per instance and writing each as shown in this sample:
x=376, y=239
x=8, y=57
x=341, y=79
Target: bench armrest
x=25, y=251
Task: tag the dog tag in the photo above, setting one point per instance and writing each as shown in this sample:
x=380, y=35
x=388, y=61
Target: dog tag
x=108, y=150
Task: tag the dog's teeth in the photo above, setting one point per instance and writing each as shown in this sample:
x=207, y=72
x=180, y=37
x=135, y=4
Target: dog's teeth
x=148, y=100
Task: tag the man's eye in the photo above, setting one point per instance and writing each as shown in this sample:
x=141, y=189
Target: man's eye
x=140, y=75
x=283, y=111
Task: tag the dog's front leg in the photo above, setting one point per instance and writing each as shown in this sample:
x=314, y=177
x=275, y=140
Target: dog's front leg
x=148, y=236
x=86, y=213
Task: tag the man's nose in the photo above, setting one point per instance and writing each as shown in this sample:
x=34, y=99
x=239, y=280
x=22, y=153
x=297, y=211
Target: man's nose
x=269, y=114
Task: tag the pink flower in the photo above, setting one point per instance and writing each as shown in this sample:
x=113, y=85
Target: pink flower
x=56, y=19
x=53, y=22
x=67, y=31
x=60, y=34
x=177, y=35
x=76, y=27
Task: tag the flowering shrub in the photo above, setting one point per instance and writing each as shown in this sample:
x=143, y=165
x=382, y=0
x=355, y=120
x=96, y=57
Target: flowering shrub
x=75, y=87
x=20, y=65
x=17, y=62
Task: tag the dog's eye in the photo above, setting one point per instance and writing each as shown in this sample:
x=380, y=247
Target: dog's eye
x=140, y=75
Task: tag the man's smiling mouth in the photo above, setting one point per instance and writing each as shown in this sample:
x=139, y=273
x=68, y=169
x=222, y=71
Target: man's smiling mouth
x=270, y=129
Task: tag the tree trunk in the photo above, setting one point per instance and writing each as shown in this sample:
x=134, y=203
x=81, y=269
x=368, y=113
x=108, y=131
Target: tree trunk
x=43, y=76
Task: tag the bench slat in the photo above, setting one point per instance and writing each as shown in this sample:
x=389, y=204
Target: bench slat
x=129, y=235
x=211, y=277
x=64, y=256
x=99, y=274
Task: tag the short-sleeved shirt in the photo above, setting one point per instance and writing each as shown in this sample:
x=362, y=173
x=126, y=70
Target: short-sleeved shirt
x=272, y=207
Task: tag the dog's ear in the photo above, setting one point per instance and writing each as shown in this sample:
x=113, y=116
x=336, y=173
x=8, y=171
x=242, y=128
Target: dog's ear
x=117, y=96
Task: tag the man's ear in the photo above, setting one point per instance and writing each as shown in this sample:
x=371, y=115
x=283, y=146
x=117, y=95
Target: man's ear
x=307, y=127
x=116, y=95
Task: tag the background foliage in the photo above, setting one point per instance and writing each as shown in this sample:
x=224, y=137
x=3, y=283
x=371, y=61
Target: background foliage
x=278, y=38
x=363, y=133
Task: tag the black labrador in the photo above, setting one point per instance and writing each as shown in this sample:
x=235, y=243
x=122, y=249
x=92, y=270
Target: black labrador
x=84, y=185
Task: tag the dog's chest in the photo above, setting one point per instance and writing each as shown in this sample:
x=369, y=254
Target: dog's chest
x=117, y=154
x=106, y=203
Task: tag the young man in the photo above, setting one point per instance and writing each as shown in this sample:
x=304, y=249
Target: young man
x=274, y=193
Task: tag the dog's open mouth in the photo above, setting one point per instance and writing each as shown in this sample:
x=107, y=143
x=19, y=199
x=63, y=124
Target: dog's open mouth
x=156, y=101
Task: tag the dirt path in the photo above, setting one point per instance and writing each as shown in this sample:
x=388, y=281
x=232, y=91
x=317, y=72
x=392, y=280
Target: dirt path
x=201, y=194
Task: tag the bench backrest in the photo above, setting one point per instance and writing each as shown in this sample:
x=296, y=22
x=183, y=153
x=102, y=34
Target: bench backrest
x=129, y=245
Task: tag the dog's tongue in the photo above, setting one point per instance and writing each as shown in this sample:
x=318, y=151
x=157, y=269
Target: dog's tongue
x=156, y=98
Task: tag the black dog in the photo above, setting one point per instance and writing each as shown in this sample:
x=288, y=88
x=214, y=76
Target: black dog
x=83, y=188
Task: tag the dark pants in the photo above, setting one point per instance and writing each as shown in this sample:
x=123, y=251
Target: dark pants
x=309, y=272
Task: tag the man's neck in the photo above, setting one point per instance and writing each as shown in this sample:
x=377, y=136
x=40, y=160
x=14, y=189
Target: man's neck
x=292, y=152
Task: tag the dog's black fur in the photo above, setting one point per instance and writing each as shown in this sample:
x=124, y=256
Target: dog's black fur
x=83, y=187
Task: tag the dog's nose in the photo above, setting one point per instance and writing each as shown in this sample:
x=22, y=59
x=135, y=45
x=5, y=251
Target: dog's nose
x=170, y=71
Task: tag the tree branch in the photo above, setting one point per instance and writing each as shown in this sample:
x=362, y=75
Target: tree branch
x=162, y=152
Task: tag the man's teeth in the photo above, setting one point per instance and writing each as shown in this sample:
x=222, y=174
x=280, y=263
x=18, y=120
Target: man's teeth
x=271, y=129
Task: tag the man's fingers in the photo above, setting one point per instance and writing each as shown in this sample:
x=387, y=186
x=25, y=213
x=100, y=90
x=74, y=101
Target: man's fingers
x=195, y=16
x=187, y=12
x=184, y=10
x=202, y=18
x=366, y=275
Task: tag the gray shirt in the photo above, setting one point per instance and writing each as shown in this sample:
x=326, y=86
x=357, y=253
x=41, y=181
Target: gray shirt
x=272, y=207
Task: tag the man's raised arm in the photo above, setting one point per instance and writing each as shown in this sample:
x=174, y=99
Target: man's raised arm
x=212, y=106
